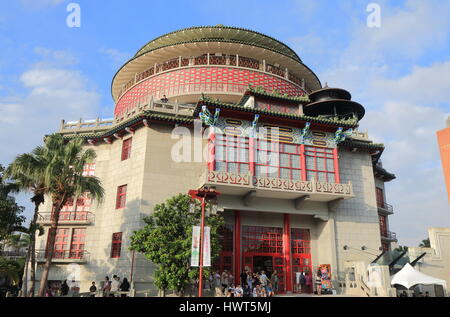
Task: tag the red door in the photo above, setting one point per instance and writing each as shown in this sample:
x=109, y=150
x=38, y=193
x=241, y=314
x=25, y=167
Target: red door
x=301, y=256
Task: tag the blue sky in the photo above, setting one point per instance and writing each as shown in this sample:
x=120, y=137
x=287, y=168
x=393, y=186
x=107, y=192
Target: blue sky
x=399, y=72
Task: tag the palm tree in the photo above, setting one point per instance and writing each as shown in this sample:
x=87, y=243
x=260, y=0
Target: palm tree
x=58, y=167
x=28, y=172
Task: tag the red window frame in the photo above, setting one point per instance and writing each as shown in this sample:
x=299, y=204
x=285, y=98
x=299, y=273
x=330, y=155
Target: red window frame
x=77, y=243
x=89, y=169
x=259, y=239
x=232, y=154
x=225, y=259
x=126, y=149
x=289, y=161
x=61, y=242
x=116, y=244
x=300, y=241
x=121, y=196
x=320, y=164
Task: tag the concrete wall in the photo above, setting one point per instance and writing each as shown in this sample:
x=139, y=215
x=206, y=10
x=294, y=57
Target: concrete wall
x=356, y=219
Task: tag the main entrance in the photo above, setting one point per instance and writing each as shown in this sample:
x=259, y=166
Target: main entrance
x=263, y=251
x=258, y=248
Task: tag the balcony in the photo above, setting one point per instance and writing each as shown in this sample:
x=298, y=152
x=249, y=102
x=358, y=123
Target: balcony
x=268, y=187
x=64, y=256
x=388, y=236
x=384, y=208
x=210, y=60
x=69, y=218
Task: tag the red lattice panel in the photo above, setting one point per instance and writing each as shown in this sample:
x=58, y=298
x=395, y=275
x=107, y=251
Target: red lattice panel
x=203, y=79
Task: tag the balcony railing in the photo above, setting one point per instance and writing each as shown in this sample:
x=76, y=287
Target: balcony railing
x=212, y=59
x=67, y=217
x=315, y=189
x=389, y=235
x=64, y=256
x=385, y=208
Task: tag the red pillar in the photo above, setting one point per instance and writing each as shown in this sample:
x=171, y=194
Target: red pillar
x=237, y=245
x=303, y=162
x=251, y=155
x=211, y=149
x=287, y=252
x=336, y=166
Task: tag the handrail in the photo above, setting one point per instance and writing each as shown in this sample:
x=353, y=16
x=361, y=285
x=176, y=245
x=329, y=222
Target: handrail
x=67, y=216
x=211, y=59
x=385, y=206
x=74, y=255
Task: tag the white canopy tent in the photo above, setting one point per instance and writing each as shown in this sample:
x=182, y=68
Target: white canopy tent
x=408, y=277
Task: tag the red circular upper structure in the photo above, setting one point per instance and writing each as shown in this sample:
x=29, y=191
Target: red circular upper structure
x=217, y=60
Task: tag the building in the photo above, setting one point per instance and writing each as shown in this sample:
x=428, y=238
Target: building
x=444, y=147
x=300, y=185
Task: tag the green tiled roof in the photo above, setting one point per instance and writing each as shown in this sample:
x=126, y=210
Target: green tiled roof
x=148, y=114
x=260, y=91
x=208, y=101
x=220, y=33
x=352, y=143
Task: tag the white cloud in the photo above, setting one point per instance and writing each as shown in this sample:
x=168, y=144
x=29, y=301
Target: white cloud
x=52, y=94
x=50, y=56
x=117, y=57
x=406, y=104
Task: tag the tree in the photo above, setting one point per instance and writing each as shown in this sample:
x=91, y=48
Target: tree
x=425, y=243
x=10, y=218
x=166, y=241
x=59, y=166
x=402, y=248
x=27, y=170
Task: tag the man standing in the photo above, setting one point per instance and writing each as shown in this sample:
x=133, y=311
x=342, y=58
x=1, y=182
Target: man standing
x=115, y=283
x=93, y=289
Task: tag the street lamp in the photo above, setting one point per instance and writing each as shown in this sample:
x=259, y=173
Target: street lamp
x=207, y=195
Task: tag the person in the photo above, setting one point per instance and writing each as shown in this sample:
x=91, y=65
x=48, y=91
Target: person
x=243, y=277
x=247, y=291
x=115, y=283
x=403, y=294
x=264, y=280
x=256, y=291
x=238, y=291
x=275, y=281
x=106, y=287
x=48, y=292
x=270, y=292
x=164, y=99
x=263, y=292
x=319, y=282
x=124, y=287
x=217, y=283
x=229, y=293
x=308, y=282
x=302, y=282
x=93, y=289
x=427, y=294
x=64, y=288
x=225, y=281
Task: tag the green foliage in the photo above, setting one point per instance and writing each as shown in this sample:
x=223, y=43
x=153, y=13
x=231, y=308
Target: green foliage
x=402, y=248
x=10, y=212
x=11, y=269
x=425, y=243
x=166, y=241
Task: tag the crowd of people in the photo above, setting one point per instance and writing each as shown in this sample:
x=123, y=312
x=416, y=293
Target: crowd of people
x=110, y=288
x=248, y=284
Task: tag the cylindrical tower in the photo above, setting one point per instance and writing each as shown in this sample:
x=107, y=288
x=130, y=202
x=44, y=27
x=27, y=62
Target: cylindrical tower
x=218, y=60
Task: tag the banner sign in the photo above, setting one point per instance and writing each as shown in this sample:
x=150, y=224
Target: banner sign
x=195, y=249
x=207, y=247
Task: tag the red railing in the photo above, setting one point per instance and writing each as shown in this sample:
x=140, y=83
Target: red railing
x=275, y=70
